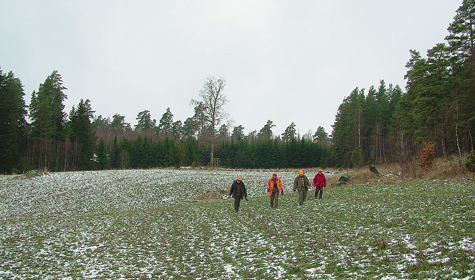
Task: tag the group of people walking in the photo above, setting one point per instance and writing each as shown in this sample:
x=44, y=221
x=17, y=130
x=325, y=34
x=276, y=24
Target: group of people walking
x=275, y=188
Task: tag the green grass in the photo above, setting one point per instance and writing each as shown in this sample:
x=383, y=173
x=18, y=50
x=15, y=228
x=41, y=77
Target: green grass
x=406, y=231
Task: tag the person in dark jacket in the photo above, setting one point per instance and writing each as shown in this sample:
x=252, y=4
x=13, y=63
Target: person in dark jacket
x=319, y=181
x=238, y=192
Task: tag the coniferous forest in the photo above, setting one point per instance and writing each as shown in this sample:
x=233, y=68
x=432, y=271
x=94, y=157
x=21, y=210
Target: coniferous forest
x=433, y=116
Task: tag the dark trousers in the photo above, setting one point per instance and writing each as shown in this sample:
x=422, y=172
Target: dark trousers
x=274, y=199
x=318, y=192
x=237, y=201
x=302, y=195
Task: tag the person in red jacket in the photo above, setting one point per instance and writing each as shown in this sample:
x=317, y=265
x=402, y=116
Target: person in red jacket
x=319, y=181
x=274, y=188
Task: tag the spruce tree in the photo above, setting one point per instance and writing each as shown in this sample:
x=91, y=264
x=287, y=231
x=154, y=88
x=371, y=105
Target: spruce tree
x=12, y=122
x=82, y=135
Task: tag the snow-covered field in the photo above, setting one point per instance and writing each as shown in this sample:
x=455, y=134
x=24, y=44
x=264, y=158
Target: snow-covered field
x=141, y=224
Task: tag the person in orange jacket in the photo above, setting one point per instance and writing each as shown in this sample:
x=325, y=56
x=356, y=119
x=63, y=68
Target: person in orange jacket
x=274, y=188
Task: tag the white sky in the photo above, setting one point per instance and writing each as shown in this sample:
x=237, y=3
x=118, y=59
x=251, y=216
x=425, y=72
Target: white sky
x=284, y=61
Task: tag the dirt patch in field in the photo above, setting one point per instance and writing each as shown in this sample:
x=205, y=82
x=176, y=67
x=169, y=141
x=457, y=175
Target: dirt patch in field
x=217, y=194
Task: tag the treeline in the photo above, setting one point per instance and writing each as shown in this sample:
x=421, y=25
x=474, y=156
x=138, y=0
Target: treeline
x=361, y=133
x=57, y=141
x=435, y=117
x=146, y=152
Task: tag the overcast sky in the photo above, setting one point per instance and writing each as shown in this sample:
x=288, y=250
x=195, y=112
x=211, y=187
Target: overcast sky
x=284, y=61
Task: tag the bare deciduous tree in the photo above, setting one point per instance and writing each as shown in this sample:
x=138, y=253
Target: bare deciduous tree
x=213, y=100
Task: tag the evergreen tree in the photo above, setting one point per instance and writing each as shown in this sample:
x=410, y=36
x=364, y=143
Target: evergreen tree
x=190, y=151
x=166, y=123
x=118, y=124
x=461, y=40
x=289, y=133
x=190, y=127
x=148, y=159
x=145, y=121
x=125, y=148
x=177, y=130
x=266, y=132
x=136, y=152
x=429, y=95
x=100, y=121
x=462, y=32
x=348, y=128
x=238, y=133
x=321, y=137
x=176, y=154
x=371, y=126
x=415, y=76
x=224, y=153
x=82, y=135
x=223, y=133
x=199, y=121
x=253, y=135
x=102, y=128
x=48, y=121
x=12, y=122
x=293, y=154
x=101, y=153
x=115, y=153
x=168, y=146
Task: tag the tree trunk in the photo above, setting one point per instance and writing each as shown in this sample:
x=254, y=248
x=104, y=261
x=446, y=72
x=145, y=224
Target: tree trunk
x=444, y=139
x=211, y=163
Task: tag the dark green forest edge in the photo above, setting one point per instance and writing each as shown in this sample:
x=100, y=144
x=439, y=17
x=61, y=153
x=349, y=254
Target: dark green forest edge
x=433, y=117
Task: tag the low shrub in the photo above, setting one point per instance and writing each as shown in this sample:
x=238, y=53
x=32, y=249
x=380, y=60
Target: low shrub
x=470, y=161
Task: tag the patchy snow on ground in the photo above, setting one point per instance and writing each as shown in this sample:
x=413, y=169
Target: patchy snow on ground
x=133, y=224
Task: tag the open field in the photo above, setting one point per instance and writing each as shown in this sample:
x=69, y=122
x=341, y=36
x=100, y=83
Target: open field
x=142, y=224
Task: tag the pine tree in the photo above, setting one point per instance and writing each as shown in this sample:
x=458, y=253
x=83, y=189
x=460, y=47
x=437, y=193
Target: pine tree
x=145, y=121
x=461, y=40
x=266, y=132
x=166, y=123
x=48, y=121
x=290, y=133
x=348, y=128
x=118, y=124
x=238, y=133
x=177, y=130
